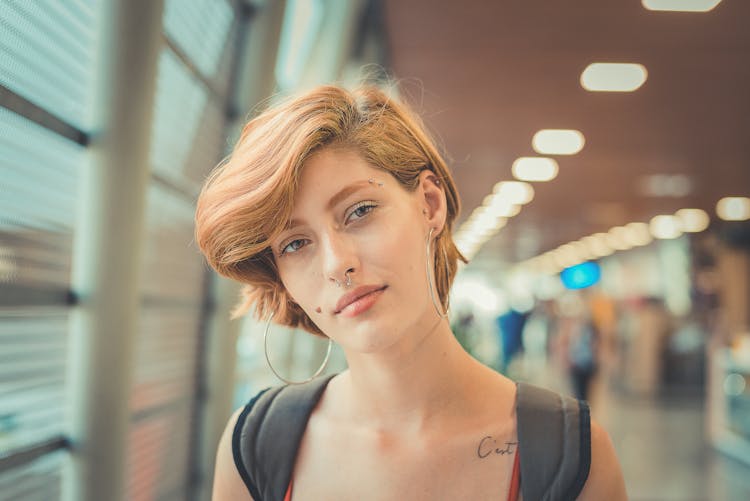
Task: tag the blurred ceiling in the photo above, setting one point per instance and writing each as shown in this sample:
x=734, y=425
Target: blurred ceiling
x=486, y=75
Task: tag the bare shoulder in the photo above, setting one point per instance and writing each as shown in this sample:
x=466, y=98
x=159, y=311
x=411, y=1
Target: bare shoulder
x=228, y=484
x=605, y=480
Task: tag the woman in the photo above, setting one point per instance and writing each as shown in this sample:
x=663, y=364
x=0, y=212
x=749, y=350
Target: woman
x=335, y=209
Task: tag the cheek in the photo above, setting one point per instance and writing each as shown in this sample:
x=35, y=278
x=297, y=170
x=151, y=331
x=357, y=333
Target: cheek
x=400, y=249
x=298, y=287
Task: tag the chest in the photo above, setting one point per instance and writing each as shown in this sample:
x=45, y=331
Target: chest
x=369, y=466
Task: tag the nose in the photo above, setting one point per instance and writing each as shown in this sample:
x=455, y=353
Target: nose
x=340, y=257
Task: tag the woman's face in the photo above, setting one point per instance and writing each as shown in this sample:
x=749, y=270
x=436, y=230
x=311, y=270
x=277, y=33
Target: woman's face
x=351, y=216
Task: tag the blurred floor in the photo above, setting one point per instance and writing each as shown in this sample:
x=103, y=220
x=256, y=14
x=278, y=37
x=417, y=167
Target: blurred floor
x=660, y=442
x=664, y=454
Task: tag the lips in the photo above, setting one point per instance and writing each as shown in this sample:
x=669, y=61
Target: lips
x=356, y=294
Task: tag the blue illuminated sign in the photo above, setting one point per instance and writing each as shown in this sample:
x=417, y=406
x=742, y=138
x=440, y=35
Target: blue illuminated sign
x=581, y=275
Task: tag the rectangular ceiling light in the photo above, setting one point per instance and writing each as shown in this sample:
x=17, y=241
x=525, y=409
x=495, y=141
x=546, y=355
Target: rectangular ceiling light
x=558, y=142
x=733, y=208
x=693, y=220
x=535, y=169
x=613, y=77
x=517, y=192
x=665, y=227
x=681, y=5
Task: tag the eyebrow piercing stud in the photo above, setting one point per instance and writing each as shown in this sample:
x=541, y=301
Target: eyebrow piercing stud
x=379, y=183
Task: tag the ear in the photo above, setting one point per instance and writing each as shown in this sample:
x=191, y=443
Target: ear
x=432, y=200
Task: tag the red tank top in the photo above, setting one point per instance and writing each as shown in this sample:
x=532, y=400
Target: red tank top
x=515, y=482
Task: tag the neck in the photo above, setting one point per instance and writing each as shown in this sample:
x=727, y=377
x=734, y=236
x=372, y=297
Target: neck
x=421, y=377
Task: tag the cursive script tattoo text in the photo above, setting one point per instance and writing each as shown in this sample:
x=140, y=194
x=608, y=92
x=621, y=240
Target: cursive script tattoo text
x=489, y=445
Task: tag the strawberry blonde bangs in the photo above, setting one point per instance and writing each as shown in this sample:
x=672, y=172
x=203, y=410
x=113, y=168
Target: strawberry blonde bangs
x=247, y=200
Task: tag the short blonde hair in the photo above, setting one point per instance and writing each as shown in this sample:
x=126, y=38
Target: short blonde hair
x=248, y=198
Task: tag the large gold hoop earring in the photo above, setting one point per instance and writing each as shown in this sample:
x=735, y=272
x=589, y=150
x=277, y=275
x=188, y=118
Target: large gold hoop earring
x=430, y=280
x=270, y=365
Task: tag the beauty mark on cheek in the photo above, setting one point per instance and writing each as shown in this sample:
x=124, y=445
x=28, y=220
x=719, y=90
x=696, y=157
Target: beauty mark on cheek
x=318, y=310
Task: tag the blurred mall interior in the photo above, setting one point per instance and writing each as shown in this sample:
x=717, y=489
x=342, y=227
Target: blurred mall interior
x=602, y=154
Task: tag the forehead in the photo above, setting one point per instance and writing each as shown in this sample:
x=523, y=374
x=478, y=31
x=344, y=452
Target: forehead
x=346, y=163
x=326, y=172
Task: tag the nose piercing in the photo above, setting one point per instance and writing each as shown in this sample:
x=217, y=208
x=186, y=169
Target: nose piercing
x=348, y=282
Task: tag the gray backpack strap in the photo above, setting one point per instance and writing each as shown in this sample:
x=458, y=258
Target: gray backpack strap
x=268, y=434
x=554, y=435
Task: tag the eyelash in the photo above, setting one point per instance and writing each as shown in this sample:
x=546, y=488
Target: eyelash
x=359, y=205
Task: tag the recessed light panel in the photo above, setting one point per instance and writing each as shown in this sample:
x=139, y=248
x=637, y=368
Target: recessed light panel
x=638, y=234
x=558, y=142
x=693, y=220
x=597, y=245
x=535, y=169
x=681, y=5
x=733, y=208
x=500, y=206
x=665, y=185
x=613, y=77
x=516, y=192
x=618, y=238
x=665, y=227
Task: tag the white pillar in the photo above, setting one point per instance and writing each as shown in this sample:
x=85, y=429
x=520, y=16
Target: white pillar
x=108, y=249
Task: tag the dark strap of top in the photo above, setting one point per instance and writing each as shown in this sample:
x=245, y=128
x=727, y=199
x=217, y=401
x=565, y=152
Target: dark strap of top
x=554, y=435
x=264, y=449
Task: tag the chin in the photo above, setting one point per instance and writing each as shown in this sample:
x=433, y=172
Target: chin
x=368, y=338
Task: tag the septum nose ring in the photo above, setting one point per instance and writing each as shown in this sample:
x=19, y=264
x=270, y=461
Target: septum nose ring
x=348, y=282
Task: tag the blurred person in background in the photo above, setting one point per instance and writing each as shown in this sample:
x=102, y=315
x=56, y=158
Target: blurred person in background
x=336, y=210
x=510, y=327
x=583, y=355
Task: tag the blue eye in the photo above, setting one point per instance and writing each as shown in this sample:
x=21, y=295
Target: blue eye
x=361, y=209
x=292, y=246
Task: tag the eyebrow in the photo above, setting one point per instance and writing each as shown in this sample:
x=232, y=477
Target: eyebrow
x=336, y=199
